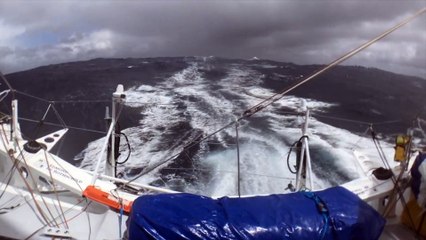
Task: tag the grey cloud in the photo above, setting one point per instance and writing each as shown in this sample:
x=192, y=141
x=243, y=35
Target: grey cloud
x=297, y=31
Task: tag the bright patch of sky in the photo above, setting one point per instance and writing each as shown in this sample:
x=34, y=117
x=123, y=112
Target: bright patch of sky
x=37, y=39
x=9, y=32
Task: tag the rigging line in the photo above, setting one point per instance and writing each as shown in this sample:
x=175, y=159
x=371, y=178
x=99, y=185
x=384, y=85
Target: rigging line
x=381, y=152
x=54, y=189
x=4, y=94
x=110, y=135
x=238, y=158
x=47, y=111
x=129, y=148
x=268, y=101
x=187, y=155
x=393, y=177
x=155, y=104
x=268, y=176
x=40, y=123
x=363, y=135
x=420, y=126
x=59, y=116
x=34, y=181
x=8, y=84
x=68, y=210
x=81, y=101
x=147, y=170
x=360, y=122
x=387, y=122
x=226, y=171
x=32, y=96
x=342, y=119
x=58, y=101
x=88, y=222
x=400, y=191
x=66, y=171
x=187, y=134
x=40, y=210
x=385, y=164
x=60, y=125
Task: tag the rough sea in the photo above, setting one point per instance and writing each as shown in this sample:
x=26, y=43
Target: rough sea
x=177, y=111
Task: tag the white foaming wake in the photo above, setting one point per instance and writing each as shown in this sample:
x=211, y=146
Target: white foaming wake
x=263, y=150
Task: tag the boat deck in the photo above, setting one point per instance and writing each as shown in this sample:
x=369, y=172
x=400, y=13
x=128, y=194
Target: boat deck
x=395, y=230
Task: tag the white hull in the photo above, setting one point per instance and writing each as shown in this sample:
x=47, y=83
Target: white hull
x=85, y=219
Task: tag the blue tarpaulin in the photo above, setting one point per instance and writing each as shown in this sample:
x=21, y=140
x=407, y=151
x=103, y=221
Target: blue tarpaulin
x=334, y=213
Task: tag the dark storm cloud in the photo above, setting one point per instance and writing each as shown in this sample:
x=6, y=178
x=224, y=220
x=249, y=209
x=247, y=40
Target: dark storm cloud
x=305, y=32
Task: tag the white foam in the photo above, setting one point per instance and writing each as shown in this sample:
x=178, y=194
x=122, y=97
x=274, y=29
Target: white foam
x=262, y=170
x=263, y=150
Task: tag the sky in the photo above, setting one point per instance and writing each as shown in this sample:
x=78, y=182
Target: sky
x=35, y=33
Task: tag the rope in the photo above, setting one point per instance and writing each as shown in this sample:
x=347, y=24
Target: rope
x=120, y=218
x=69, y=219
x=116, y=195
x=88, y=221
x=40, y=123
x=342, y=119
x=29, y=188
x=40, y=210
x=80, y=101
x=57, y=101
x=8, y=84
x=322, y=209
x=419, y=120
x=129, y=149
x=32, y=96
x=364, y=134
x=238, y=158
x=359, y=122
x=400, y=194
x=4, y=94
x=54, y=189
x=126, y=159
x=289, y=153
x=397, y=188
x=59, y=116
x=379, y=149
